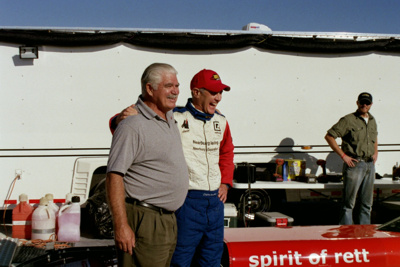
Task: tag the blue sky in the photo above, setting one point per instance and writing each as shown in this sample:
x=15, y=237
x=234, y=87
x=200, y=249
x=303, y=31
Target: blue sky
x=363, y=16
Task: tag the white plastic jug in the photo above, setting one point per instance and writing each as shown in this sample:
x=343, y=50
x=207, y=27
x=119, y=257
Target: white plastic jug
x=69, y=221
x=52, y=206
x=43, y=221
x=68, y=198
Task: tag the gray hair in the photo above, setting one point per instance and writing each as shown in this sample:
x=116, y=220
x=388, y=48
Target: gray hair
x=153, y=74
x=200, y=89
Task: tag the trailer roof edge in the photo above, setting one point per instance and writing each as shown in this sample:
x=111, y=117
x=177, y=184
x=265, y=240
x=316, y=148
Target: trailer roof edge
x=297, y=34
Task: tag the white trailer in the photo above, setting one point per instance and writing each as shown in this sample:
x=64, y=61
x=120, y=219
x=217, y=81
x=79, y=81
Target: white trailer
x=288, y=88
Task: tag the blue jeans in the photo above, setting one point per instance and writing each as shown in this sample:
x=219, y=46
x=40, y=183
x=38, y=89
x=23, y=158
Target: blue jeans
x=358, y=179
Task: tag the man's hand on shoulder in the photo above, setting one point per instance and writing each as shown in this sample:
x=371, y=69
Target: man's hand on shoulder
x=129, y=111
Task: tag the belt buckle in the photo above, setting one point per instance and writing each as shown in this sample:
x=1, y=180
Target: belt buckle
x=369, y=159
x=147, y=205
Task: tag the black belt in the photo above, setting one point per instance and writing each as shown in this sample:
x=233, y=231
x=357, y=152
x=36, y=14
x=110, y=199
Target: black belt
x=370, y=159
x=146, y=205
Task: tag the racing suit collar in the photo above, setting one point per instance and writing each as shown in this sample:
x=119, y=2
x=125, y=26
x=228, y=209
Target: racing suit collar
x=197, y=113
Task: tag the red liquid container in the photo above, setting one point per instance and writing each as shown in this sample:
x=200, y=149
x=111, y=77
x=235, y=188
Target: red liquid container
x=22, y=219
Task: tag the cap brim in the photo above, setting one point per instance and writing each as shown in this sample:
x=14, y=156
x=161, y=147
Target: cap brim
x=227, y=88
x=365, y=100
x=218, y=88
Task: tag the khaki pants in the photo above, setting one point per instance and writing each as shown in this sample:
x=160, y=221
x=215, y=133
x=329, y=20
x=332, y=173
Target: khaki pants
x=155, y=234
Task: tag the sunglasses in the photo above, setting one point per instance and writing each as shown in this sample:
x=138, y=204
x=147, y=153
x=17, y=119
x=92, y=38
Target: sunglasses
x=365, y=102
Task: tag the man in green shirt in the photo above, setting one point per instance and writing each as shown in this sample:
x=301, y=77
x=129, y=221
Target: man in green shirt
x=359, y=152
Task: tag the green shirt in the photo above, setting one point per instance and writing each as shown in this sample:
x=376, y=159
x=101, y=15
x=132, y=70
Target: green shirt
x=358, y=137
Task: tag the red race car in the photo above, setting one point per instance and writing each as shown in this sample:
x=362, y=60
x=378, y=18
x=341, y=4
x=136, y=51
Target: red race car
x=335, y=246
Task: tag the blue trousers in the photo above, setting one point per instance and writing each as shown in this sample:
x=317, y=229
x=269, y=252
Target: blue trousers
x=358, y=179
x=200, y=230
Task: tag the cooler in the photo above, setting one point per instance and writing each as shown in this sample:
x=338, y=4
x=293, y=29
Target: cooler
x=273, y=219
x=230, y=215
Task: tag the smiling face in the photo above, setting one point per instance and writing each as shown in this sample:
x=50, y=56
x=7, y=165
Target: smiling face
x=364, y=107
x=206, y=101
x=164, y=97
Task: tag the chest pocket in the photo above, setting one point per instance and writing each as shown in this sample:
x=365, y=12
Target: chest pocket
x=357, y=134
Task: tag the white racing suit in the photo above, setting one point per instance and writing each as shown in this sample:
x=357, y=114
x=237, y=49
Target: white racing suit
x=208, y=149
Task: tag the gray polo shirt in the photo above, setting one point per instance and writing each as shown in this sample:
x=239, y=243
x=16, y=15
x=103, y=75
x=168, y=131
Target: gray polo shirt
x=147, y=151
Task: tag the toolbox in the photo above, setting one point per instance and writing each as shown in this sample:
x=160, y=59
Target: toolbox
x=273, y=219
x=245, y=173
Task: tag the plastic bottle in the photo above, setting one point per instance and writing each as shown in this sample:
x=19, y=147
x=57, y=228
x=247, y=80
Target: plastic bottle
x=285, y=171
x=22, y=219
x=68, y=201
x=43, y=221
x=52, y=206
x=68, y=198
x=69, y=221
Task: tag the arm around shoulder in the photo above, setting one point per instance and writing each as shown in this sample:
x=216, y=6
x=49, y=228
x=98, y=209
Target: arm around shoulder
x=116, y=119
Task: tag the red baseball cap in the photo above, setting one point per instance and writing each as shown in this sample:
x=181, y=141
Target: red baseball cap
x=210, y=80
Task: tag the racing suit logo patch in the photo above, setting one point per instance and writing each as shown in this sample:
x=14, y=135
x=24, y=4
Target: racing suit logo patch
x=185, y=124
x=217, y=127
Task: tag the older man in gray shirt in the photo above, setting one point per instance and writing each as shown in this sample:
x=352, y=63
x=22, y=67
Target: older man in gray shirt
x=147, y=177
